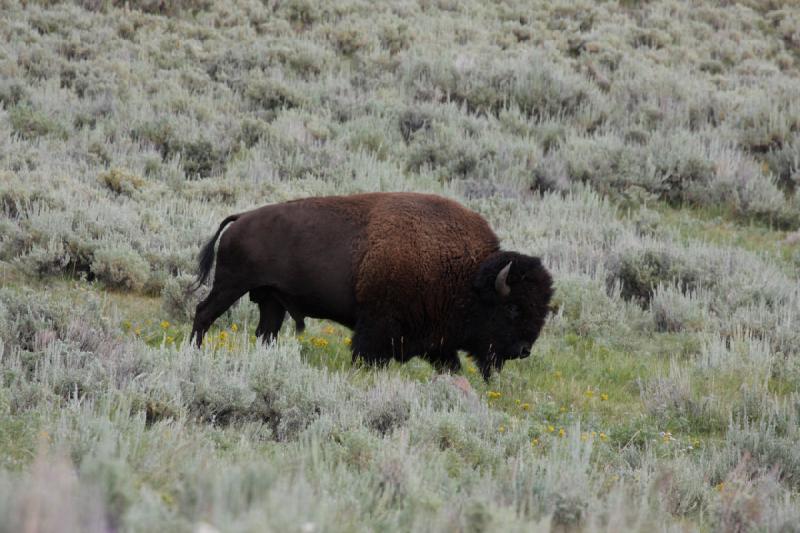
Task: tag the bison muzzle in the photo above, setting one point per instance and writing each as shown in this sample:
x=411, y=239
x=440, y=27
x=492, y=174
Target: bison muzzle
x=411, y=274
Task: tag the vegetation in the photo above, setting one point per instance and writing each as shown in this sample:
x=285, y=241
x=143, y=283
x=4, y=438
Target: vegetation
x=647, y=151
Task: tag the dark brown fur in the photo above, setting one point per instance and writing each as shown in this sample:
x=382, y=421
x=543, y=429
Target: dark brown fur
x=407, y=272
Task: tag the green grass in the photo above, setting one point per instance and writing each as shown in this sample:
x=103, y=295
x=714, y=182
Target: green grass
x=717, y=227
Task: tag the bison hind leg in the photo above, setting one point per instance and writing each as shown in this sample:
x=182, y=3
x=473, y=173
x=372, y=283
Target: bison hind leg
x=217, y=302
x=271, y=313
x=299, y=324
x=370, y=344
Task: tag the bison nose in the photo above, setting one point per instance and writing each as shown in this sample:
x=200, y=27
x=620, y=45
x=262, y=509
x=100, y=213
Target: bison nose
x=524, y=349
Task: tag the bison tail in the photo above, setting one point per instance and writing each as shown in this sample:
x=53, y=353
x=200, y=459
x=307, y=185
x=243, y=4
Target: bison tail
x=206, y=258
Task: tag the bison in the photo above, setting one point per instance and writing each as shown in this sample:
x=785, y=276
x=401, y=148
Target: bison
x=411, y=274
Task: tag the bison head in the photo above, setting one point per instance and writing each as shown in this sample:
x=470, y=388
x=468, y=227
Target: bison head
x=511, y=292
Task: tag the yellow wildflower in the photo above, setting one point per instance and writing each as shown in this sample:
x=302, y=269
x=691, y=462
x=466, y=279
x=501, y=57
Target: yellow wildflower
x=137, y=331
x=561, y=432
x=223, y=336
x=584, y=437
x=319, y=342
x=534, y=442
x=525, y=406
x=557, y=374
x=589, y=393
x=550, y=429
x=563, y=409
x=493, y=395
x=164, y=324
x=347, y=341
x=170, y=340
x=501, y=429
x=234, y=327
x=603, y=436
x=604, y=397
x=126, y=325
x=328, y=330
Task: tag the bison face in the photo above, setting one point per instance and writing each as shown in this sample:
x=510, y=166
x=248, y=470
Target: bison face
x=511, y=292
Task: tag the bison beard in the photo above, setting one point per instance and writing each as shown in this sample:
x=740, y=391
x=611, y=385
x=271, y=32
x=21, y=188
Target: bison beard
x=411, y=274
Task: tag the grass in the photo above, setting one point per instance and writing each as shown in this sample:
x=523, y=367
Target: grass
x=645, y=150
x=717, y=228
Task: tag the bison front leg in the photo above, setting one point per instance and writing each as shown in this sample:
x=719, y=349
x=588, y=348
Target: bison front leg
x=489, y=366
x=446, y=362
x=370, y=354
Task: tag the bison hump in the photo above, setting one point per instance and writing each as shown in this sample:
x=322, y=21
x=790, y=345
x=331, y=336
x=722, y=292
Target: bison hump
x=418, y=257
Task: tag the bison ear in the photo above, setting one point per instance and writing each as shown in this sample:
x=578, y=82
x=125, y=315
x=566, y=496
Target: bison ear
x=501, y=281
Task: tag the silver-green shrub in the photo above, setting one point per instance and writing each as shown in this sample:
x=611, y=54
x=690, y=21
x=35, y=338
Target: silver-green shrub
x=120, y=267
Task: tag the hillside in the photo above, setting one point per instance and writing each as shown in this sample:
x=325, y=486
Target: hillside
x=648, y=152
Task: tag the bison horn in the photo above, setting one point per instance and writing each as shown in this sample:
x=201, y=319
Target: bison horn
x=500, y=284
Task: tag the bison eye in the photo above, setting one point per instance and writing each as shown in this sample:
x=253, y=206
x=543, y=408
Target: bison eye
x=513, y=311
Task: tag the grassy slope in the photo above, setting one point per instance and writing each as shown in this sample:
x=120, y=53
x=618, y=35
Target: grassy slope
x=663, y=392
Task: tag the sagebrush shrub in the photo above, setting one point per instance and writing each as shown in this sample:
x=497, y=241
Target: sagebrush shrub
x=32, y=322
x=156, y=7
x=49, y=259
x=29, y=123
x=639, y=272
x=12, y=93
x=120, y=181
x=674, y=309
x=386, y=411
x=120, y=267
x=273, y=95
x=178, y=298
x=25, y=319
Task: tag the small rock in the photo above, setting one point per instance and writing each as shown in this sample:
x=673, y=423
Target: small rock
x=204, y=527
x=459, y=382
x=792, y=238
